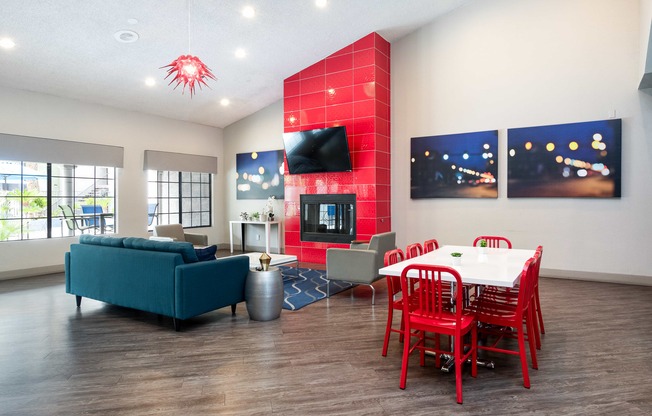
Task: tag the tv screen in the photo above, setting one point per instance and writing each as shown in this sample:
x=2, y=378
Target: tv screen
x=319, y=150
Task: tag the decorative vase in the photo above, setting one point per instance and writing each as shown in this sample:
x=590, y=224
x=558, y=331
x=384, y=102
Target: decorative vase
x=264, y=261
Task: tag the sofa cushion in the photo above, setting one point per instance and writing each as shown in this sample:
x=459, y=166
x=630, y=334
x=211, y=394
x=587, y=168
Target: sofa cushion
x=206, y=253
x=185, y=249
x=101, y=240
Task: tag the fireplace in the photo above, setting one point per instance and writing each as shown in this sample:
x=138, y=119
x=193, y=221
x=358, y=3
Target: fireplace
x=328, y=218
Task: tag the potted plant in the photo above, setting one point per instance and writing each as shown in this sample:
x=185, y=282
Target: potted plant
x=483, y=246
x=255, y=216
x=457, y=258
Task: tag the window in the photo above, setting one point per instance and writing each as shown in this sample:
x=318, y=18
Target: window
x=34, y=197
x=182, y=198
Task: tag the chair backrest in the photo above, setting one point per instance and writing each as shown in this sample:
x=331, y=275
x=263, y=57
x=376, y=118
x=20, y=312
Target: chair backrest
x=430, y=245
x=413, y=250
x=430, y=290
x=527, y=283
x=493, y=241
x=92, y=209
x=151, y=213
x=393, y=282
x=174, y=231
x=69, y=216
x=382, y=243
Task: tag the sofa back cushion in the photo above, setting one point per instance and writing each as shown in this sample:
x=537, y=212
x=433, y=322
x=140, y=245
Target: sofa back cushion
x=186, y=250
x=101, y=240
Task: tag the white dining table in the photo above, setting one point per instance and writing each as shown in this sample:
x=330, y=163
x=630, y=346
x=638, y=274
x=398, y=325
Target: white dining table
x=479, y=266
x=488, y=266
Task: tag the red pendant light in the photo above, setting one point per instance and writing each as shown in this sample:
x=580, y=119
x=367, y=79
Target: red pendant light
x=189, y=71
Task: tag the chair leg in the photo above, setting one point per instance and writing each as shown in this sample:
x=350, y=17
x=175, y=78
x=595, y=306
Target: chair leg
x=388, y=329
x=538, y=307
x=233, y=308
x=373, y=295
x=531, y=323
x=521, y=353
x=78, y=300
x=328, y=288
x=535, y=325
x=404, y=361
x=459, y=353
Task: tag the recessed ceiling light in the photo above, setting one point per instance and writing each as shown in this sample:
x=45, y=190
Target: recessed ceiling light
x=126, y=36
x=321, y=3
x=7, y=43
x=240, y=53
x=248, y=12
x=132, y=21
x=150, y=82
x=225, y=102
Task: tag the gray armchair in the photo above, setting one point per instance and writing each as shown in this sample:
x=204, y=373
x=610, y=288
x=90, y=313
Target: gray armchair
x=360, y=262
x=175, y=232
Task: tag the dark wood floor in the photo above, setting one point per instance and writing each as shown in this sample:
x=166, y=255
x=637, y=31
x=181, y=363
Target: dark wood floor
x=325, y=359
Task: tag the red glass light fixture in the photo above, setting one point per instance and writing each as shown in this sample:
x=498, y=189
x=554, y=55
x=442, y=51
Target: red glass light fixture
x=189, y=71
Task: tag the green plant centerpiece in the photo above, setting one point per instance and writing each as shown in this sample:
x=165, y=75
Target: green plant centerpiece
x=483, y=243
x=456, y=254
x=457, y=258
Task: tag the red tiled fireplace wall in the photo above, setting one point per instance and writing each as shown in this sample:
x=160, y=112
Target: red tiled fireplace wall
x=349, y=88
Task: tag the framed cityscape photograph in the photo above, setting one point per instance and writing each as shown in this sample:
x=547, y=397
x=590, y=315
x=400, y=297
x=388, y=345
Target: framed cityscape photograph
x=463, y=165
x=259, y=175
x=574, y=160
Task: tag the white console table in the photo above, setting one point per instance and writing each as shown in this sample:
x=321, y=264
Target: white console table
x=268, y=226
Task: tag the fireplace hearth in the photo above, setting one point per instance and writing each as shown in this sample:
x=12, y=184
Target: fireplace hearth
x=328, y=218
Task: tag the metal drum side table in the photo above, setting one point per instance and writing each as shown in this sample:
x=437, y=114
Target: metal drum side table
x=264, y=294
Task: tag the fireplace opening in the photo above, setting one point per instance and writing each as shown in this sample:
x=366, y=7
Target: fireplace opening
x=328, y=218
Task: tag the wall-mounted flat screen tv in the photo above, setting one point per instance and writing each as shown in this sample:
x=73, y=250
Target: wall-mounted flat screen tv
x=318, y=150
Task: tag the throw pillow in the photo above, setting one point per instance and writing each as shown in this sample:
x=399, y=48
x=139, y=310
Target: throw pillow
x=207, y=253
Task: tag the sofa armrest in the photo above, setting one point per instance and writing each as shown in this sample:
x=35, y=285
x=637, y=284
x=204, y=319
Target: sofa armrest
x=196, y=239
x=357, y=266
x=208, y=285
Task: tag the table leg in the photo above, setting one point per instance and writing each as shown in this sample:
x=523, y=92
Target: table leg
x=231, y=236
x=267, y=226
x=243, y=237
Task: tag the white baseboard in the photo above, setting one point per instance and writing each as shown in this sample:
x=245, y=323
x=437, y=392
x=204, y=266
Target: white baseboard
x=36, y=271
x=626, y=279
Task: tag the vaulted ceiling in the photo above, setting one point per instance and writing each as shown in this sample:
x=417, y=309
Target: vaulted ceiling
x=69, y=48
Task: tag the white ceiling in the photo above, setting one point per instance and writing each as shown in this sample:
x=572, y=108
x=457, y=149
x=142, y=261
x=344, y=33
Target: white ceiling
x=67, y=48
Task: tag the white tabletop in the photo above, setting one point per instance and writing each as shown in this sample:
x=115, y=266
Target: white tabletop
x=276, y=259
x=498, y=267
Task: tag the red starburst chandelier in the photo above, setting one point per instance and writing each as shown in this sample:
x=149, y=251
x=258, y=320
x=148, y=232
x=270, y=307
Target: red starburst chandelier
x=189, y=71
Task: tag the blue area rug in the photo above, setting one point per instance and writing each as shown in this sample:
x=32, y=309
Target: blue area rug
x=304, y=286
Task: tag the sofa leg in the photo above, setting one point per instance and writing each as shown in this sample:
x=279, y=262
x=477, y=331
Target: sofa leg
x=177, y=324
x=78, y=300
x=233, y=308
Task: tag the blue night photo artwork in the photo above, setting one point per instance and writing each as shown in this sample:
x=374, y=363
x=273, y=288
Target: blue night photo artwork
x=260, y=175
x=463, y=165
x=565, y=160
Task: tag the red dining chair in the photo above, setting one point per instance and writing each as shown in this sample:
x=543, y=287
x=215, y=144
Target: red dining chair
x=510, y=295
x=413, y=250
x=508, y=320
x=430, y=245
x=430, y=312
x=493, y=241
x=393, y=289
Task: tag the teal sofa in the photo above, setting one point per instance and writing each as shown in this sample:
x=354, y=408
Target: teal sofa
x=165, y=278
